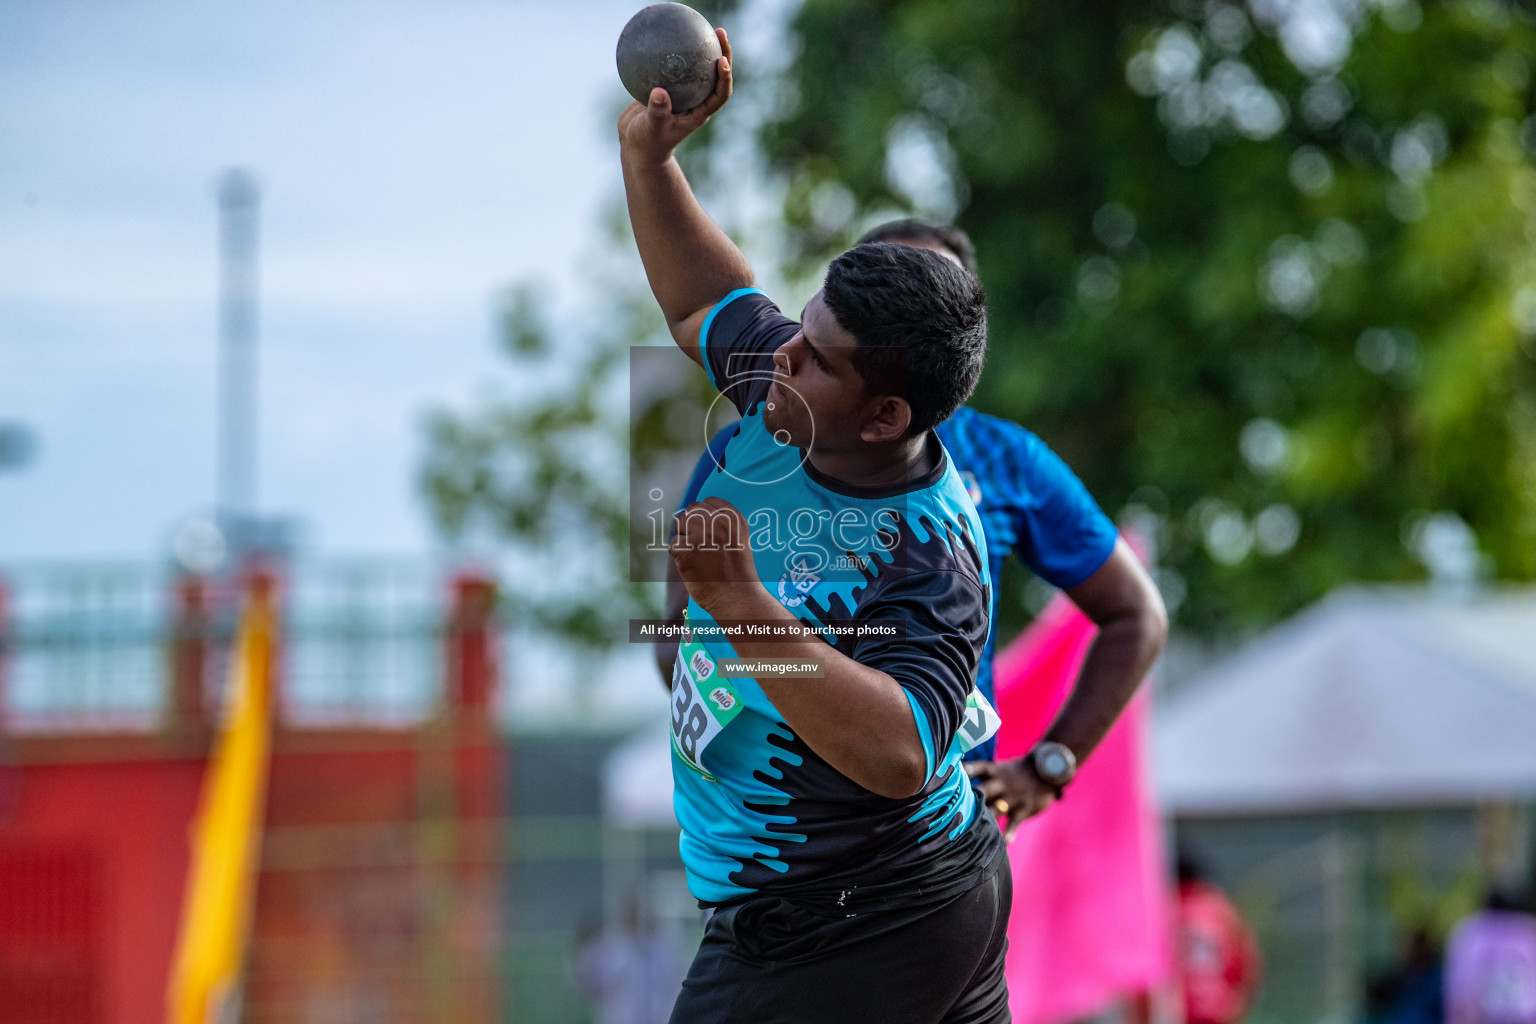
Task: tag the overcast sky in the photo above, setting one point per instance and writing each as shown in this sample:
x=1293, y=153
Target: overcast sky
x=413, y=160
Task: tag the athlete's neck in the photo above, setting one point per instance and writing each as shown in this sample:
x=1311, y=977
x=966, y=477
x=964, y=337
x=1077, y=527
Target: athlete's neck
x=880, y=466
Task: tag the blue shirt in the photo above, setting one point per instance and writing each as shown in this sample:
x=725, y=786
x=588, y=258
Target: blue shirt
x=1029, y=501
x=760, y=811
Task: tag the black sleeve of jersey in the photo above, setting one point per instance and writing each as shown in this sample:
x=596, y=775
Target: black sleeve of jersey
x=945, y=613
x=738, y=339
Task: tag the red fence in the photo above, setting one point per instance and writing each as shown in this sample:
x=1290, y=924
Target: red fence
x=379, y=891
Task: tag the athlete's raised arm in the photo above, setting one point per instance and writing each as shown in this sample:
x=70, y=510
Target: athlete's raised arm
x=690, y=263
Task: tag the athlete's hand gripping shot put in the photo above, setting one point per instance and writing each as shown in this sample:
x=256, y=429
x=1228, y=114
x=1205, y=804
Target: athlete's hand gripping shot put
x=854, y=873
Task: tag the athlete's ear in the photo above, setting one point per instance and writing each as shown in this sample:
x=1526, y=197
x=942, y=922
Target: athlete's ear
x=886, y=418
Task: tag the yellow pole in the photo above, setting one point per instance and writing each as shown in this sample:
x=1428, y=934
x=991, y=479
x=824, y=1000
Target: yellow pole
x=226, y=835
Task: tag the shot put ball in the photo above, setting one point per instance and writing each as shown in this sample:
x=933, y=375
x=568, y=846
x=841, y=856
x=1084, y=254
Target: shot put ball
x=671, y=46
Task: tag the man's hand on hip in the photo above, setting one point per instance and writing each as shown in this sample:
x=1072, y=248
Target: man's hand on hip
x=1012, y=790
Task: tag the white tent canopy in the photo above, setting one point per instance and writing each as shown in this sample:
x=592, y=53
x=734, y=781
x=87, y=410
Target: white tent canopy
x=1373, y=697
x=637, y=781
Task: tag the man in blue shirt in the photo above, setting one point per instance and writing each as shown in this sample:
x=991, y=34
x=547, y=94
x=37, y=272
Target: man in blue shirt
x=1032, y=504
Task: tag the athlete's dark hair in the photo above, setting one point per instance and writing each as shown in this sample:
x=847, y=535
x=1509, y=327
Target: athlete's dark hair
x=947, y=235
x=920, y=323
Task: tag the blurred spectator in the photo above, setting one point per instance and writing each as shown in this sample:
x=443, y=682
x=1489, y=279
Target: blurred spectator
x=1412, y=992
x=1490, y=966
x=1219, y=961
x=631, y=974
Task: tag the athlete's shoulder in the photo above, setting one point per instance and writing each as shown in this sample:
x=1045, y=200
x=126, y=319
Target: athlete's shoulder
x=736, y=343
x=739, y=318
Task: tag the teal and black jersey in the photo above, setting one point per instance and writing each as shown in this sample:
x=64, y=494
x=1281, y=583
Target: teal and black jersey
x=903, y=576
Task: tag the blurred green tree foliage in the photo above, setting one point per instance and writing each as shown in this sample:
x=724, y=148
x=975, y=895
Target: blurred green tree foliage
x=1264, y=273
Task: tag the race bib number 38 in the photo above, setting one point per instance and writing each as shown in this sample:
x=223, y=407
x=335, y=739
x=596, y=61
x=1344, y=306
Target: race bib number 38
x=703, y=703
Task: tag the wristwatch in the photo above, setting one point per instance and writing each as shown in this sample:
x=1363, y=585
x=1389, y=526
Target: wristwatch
x=1054, y=763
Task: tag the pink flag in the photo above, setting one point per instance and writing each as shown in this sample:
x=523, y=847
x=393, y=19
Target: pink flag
x=1090, y=897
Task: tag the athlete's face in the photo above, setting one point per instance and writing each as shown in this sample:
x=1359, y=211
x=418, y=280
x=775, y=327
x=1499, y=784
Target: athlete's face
x=816, y=393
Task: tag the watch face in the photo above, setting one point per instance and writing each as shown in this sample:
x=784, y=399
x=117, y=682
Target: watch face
x=1054, y=763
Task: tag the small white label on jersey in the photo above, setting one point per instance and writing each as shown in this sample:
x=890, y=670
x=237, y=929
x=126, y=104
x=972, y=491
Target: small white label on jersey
x=979, y=723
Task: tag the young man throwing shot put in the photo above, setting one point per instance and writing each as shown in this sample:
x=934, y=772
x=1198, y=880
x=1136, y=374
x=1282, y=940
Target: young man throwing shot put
x=855, y=874
x=1030, y=504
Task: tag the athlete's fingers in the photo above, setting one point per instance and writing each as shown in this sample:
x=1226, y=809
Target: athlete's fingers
x=724, y=84
x=991, y=788
x=660, y=104
x=628, y=115
x=712, y=543
x=699, y=512
x=689, y=539
x=979, y=769
x=718, y=504
x=1021, y=814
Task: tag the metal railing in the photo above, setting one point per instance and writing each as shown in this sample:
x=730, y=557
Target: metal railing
x=87, y=648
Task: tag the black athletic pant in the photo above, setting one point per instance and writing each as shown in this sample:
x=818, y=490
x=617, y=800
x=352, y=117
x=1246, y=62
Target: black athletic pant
x=771, y=961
